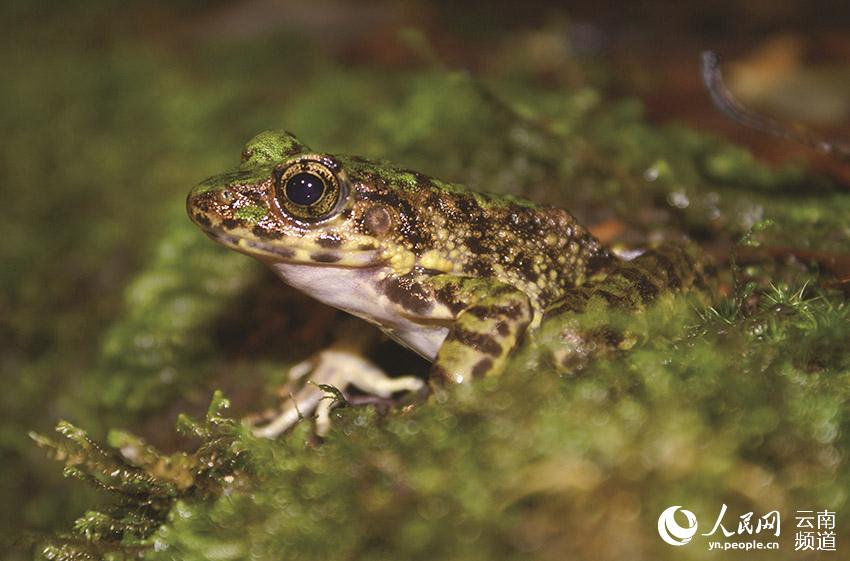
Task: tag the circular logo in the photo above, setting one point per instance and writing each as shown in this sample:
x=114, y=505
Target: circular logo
x=670, y=530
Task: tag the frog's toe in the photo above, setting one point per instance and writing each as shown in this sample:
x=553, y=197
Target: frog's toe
x=377, y=383
x=339, y=369
x=298, y=405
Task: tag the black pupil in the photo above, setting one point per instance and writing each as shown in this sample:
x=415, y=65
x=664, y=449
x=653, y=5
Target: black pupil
x=304, y=188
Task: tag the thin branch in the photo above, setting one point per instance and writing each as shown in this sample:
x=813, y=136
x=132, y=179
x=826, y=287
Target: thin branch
x=732, y=108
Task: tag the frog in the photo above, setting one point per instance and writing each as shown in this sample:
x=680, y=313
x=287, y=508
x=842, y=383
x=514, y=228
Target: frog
x=459, y=276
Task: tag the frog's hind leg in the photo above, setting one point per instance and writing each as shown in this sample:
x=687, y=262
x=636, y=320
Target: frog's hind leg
x=633, y=284
x=630, y=285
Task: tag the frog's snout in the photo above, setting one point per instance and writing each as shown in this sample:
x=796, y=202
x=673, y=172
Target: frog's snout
x=196, y=211
x=204, y=205
x=212, y=197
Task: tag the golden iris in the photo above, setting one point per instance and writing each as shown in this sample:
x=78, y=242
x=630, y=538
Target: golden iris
x=309, y=189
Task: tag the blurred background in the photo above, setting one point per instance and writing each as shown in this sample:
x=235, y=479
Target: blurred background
x=112, y=111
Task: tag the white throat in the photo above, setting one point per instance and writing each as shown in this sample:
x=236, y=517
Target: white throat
x=355, y=291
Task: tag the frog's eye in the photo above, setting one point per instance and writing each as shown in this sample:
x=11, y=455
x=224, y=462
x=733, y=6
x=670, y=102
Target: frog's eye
x=311, y=188
x=305, y=188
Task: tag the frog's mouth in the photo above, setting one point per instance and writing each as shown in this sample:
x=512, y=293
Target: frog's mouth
x=362, y=254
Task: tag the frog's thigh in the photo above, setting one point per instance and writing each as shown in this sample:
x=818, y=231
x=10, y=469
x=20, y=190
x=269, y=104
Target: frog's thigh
x=631, y=285
x=494, y=317
x=634, y=284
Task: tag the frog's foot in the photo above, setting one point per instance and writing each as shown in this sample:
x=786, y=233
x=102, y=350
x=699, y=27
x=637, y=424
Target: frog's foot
x=339, y=369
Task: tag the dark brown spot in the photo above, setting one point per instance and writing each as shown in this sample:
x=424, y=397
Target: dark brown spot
x=325, y=257
x=481, y=267
x=474, y=244
x=526, y=267
x=265, y=234
x=641, y=281
x=203, y=203
x=447, y=296
x=599, y=262
x=407, y=293
x=610, y=297
x=481, y=312
x=503, y=289
x=230, y=223
x=468, y=206
x=202, y=220
x=480, y=341
x=503, y=329
x=560, y=308
x=481, y=368
x=573, y=301
x=510, y=311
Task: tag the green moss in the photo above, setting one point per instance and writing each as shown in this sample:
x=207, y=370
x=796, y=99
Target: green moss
x=528, y=465
x=144, y=483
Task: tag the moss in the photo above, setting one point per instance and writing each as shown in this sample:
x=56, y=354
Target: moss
x=530, y=465
x=144, y=483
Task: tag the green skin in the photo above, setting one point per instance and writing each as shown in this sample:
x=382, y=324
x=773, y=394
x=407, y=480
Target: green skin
x=458, y=276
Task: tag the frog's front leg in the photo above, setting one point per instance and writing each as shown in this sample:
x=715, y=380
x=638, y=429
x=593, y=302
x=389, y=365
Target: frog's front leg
x=491, y=318
x=341, y=365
